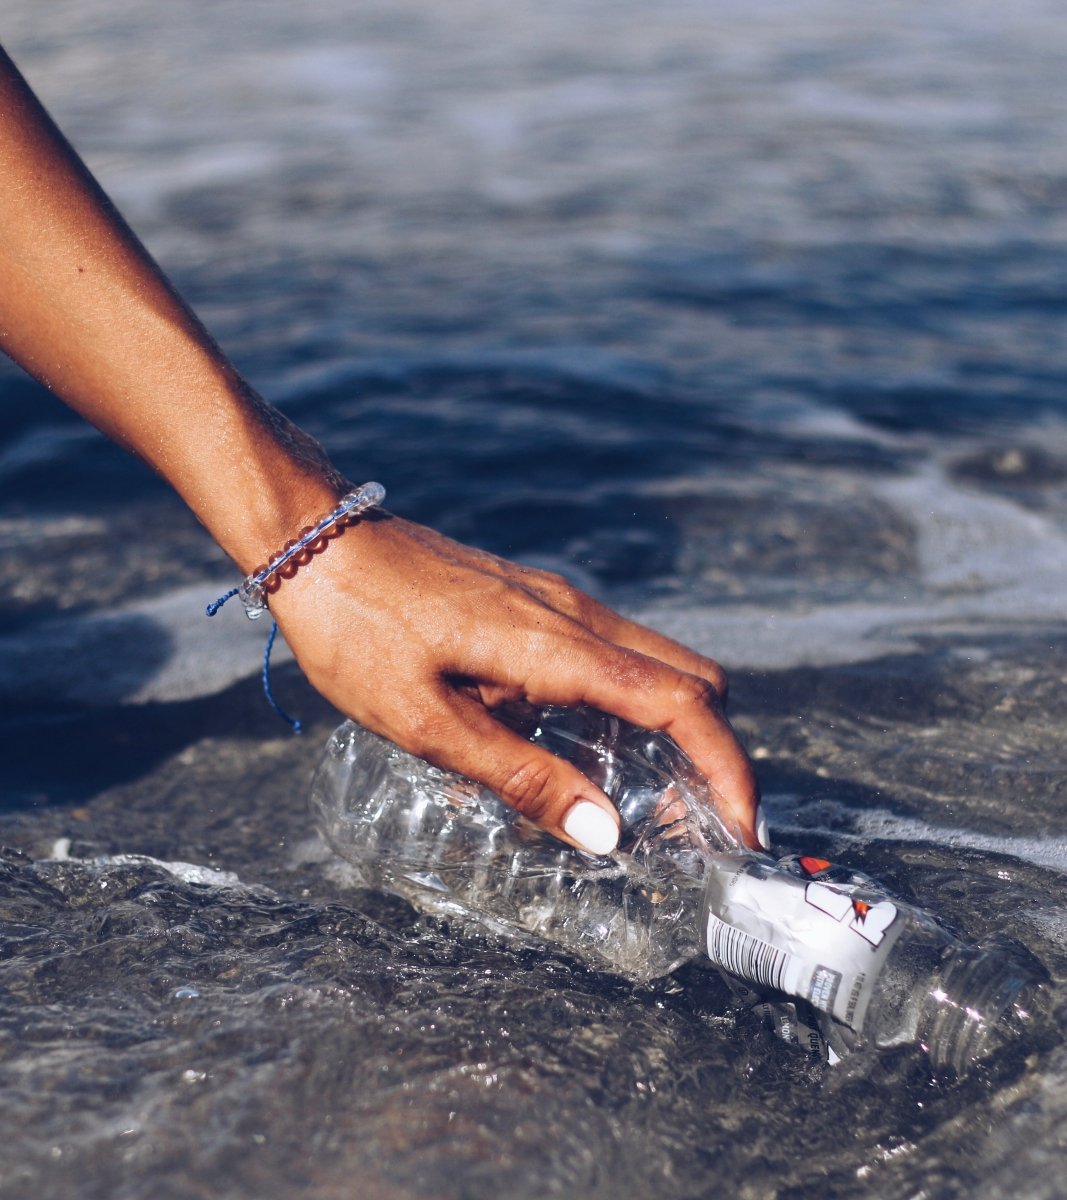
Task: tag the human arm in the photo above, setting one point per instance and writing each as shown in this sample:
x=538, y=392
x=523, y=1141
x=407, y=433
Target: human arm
x=412, y=634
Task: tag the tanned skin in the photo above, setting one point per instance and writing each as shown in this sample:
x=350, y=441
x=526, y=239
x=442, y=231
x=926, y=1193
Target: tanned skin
x=415, y=636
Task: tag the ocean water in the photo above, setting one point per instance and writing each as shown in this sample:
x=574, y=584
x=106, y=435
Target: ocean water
x=749, y=318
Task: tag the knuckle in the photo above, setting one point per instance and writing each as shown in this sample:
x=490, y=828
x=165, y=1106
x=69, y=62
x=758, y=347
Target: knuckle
x=529, y=787
x=717, y=677
x=562, y=595
x=581, y=608
x=556, y=582
x=696, y=693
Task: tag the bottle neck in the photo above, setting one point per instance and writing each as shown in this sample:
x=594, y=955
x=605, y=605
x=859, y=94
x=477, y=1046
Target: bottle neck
x=981, y=1003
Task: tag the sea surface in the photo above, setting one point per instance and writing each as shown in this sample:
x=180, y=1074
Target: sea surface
x=750, y=318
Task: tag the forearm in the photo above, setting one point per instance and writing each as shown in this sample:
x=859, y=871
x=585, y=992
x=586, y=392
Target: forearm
x=84, y=308
x=414, y=635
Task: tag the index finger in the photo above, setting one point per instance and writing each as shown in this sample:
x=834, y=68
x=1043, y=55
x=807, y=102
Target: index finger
x=648, y=692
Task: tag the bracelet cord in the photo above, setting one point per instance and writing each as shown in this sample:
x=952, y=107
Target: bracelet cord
x=254, y=587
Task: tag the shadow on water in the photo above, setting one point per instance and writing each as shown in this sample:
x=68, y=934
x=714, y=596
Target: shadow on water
x=65, y=754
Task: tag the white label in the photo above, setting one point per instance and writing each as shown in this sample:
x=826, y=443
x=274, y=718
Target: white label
x=811, y=934
x=747, y=956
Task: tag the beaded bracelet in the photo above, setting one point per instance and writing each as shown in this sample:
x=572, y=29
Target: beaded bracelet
x=254, y=588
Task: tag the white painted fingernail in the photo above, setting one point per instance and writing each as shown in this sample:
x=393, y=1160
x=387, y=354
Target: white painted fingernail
x=763, y=831
x=591, y=827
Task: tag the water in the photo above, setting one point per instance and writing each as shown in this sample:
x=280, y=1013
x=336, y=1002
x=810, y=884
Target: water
x=749, y=317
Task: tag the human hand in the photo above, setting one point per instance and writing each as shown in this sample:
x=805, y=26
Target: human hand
x=413, y=635
x=418, y=638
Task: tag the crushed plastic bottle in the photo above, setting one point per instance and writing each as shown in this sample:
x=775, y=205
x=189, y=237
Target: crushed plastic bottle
x=865, y=967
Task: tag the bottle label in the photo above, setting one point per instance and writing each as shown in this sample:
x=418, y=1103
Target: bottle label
x=803, y=927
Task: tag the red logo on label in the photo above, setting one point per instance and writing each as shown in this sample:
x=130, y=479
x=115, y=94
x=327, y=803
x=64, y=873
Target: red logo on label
x=861, y=908
x=814, y=866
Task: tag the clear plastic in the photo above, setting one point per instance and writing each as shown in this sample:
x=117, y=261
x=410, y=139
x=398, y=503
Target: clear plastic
x=681, y=886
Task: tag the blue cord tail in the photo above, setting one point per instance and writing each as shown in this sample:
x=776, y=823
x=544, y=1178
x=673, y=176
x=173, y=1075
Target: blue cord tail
x=215, y=605
x=211, y=610
x=297, y=727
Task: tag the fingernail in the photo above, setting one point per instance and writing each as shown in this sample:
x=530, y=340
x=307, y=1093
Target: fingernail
x=591, y=827
x=763, y=832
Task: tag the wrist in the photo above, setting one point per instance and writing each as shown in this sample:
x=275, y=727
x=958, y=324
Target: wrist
x=271, y=506
x=259, y=482
x=299, y=551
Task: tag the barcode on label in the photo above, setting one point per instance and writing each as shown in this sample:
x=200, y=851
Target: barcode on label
x=747, y=956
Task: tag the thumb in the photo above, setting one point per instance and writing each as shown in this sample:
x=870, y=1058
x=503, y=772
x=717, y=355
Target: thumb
x=551, y=792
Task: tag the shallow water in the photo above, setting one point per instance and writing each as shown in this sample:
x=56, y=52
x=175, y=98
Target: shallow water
x=748, y=318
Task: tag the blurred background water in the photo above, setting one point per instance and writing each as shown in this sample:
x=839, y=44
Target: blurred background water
x=749, y=318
